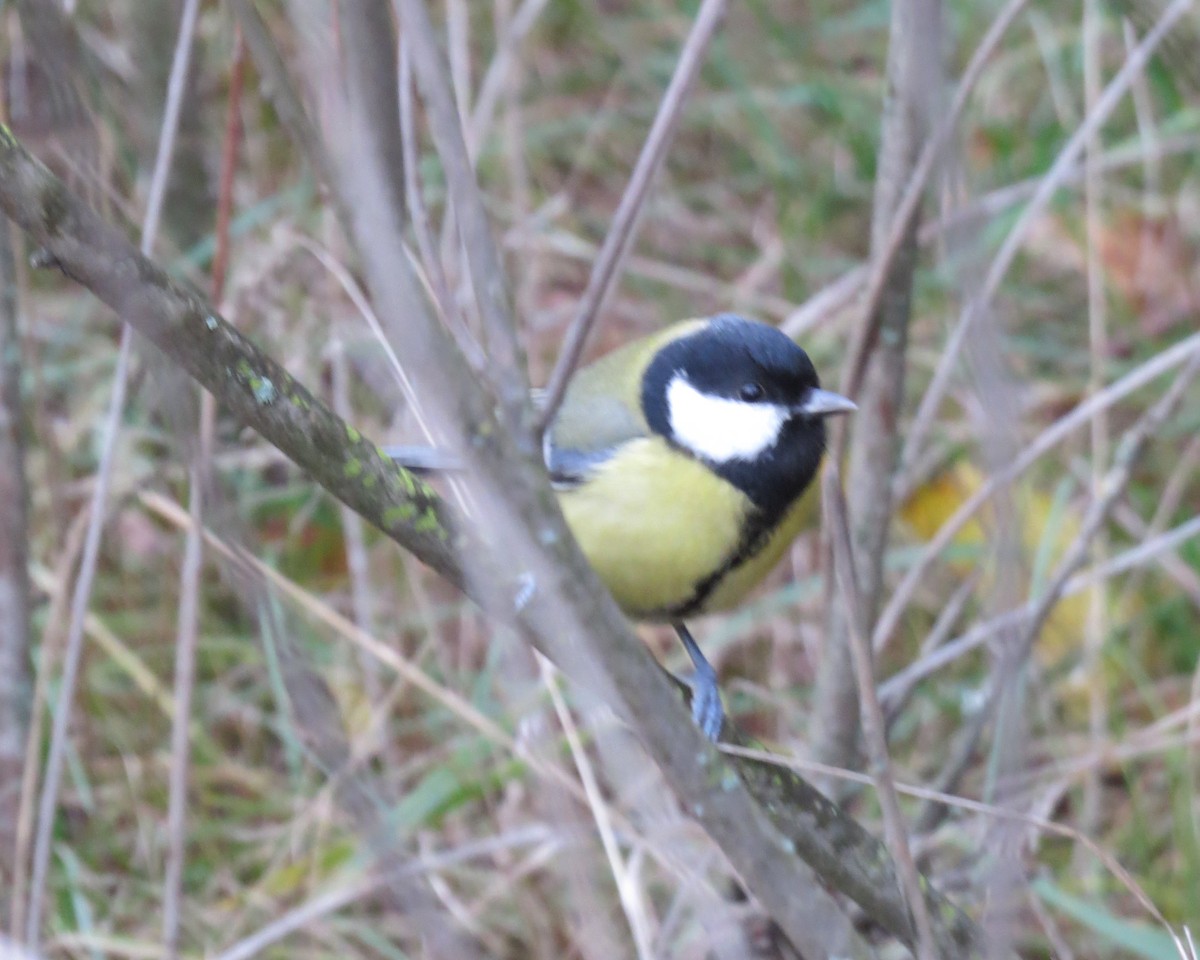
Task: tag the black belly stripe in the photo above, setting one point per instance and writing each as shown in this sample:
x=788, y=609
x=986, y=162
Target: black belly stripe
x=772, y=484
x=755, y=537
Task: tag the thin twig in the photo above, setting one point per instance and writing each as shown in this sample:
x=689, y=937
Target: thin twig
x=185, y=676
x=458, y=56
x=939, y=633
x=193, y=552
x=1032, y=618
x=964, y=803
x=15, y=628
x=492, y=85
x=1170, y=495
x=890, y=618
x=1062, y=167
x=229, y=153
x=1156, y=545
x=418, y=216
x=881, y=263
x=1096, y=624
x=81, y=599
x=55, y=627
x=874, y=726
x=632, y=902
x=176, y=87
x=913, y=84
x=506, y=368
x=280, y=88
x=624, y=227
x=358, y=567
x=513, y=137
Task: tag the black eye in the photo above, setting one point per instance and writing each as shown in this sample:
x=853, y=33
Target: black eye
x=750, y=392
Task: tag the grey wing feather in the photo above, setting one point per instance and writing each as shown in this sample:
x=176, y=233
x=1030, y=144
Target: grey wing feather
x=421, y=459
x=587, y=432
x=589, y=429
x=567, y=468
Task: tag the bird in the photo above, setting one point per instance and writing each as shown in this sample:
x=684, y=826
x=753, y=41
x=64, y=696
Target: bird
x=679, y=461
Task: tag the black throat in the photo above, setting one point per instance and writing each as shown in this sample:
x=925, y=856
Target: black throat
x=775, y=478
x=772, y=482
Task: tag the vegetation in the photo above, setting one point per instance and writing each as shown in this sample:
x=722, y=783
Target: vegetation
x=1036, y=667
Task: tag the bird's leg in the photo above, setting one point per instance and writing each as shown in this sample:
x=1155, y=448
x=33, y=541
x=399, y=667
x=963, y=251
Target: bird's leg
x=706, y=698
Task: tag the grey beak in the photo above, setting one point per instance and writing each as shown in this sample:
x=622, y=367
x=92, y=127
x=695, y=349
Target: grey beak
x=824, y=403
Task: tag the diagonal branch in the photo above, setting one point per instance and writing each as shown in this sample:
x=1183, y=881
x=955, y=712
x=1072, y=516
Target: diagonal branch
x=251, y=384
x=483, y=255
x=624, y=228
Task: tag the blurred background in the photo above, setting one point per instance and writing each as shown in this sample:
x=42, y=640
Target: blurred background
x=765, y=207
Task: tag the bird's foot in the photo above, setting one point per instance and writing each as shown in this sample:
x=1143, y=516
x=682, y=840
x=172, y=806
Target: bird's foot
x=707, y=710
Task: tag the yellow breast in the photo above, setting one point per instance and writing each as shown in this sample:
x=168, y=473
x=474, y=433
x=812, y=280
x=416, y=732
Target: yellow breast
x=746, y=576
x=655, y=524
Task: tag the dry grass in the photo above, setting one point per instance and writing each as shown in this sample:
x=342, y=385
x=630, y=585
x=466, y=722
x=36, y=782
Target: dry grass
x=535, y=836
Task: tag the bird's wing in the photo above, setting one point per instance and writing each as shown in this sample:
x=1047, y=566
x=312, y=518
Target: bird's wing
x=600, y=413
x=568, y=466
x=591, y=426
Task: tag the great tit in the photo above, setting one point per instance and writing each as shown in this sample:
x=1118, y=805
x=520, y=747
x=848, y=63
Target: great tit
x=679, y=461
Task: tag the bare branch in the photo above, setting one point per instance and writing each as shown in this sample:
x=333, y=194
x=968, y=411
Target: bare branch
x=1063, y=166
x=81, y=598
x=15, y=687
x=507, y=366
x=874, y=727
x=280, y=88
x=1030, y=620
x=914, y=84
x=624, y=228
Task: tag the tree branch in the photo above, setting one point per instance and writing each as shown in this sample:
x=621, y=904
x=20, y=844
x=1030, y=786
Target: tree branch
x=15, y=686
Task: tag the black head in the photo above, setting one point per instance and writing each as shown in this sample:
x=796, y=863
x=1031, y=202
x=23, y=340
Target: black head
x=742, y=397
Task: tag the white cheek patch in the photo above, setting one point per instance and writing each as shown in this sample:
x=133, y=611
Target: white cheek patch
x=719, y=429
